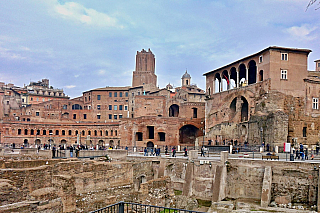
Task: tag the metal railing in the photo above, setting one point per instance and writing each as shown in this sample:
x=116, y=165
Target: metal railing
x=127, y=207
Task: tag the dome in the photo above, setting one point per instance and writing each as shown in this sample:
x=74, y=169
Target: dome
x=186, y=75
x=169, y=86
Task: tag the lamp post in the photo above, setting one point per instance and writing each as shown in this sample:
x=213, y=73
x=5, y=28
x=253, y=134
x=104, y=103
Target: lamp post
x=261, y=131
x=203, y=131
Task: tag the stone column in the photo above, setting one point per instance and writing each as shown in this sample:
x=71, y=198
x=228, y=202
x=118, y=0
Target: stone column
x=266, y=187
x=237, y=80
x=247, y=76
x=193, y=154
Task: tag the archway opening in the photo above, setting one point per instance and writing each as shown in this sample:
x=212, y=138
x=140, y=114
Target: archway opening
x=150, y=144
x=25, y=143
x=217, y=82
x=233, y=107
x=252, y=72
x=225, y=80
x=242, y=75
x=244, y=109
x=233, y=78
x=188, y=134
x=174, y=110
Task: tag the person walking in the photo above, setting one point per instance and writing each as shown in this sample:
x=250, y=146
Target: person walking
x=174, y=151
x=145, y=151
x=71, y=151
x=166, y=150
x=202, y=152
x=185, y=151
x=53, y=151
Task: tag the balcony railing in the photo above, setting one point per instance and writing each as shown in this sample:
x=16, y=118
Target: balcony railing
x=126, y=207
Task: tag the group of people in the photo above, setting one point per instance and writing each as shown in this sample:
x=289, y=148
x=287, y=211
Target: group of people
x=303, y=153
x=153, y=151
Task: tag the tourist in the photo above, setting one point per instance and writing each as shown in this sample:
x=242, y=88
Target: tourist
x=202, y=152
x=185, y=151
x=166, y=150
x=174, y=151
x=71, y=151
x=145, y=151
x=306, y=152
x=53, y=152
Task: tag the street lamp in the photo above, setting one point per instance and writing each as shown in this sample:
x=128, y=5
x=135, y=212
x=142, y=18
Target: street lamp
x=203, y=131
x=261, y=131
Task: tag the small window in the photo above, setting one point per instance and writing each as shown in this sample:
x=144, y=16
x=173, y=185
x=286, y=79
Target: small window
x=315, y=102
x=126, y=108
x=110, y=107
x=115, y=107
x=110, y=94
x=84, y=116
x=127, y=92
x=65, y=107
x=110, y=116
x=115, y=94
x=98, y=97
x=69, y=132
x=284, y=56
x=37, y=113
x=260, y=59
x=98, y=107
x=120, y=94
x=19, y=131
x=318, y=64
x=44, y=132
x=57, y=132
x=284, y=74
x=120, y=107
x=120, y=116
x=89, y=107
x=138, y=93
x=74, y=116
x=98, y=116
x=63, y=132
x=115, y=117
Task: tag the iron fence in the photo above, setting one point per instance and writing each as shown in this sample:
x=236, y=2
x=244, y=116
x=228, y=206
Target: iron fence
x=127, y=207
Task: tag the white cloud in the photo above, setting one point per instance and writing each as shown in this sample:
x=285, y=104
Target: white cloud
x=70, y=86
x=6, y=53
x=76, y=76
x=301, y=33
x=77, y=12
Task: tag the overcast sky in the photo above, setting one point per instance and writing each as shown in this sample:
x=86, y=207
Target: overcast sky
x=81, y=45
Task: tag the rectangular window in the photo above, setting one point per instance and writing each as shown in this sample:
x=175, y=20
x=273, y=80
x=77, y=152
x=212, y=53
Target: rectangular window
x=120, y=94
x=150, y=132
x=37, y=113
x=98, y=97
x=120, y=116
x=284, y=74
x=110, y=116
x=318, y=64
x=74, y=116
x=120, y=107
x=65, y=107
x=98, y=116
x=84, y=116
x=37, y=99
x=110, y=94
x=42, y=99
x=98, y=107
x=284, y=56
x=127, y=92
x=260, y=59
x=115, y=107
x=315, y=102
x=138, y=93
x=115, y=117
x=304, y=132
x=126, y=108
x=115, y=94
x=110, y=107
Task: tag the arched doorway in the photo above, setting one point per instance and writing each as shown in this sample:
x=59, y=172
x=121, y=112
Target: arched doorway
x=150, y=144
x=244, y=109
x=188, y=134
x=25, y=143
x=37, y=142
x=233, y=78
x=217, y=83
x=174, y=110
x=111, y=143
x=225, y=81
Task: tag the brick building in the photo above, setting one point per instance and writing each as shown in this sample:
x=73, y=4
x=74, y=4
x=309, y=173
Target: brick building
x=110, y=116
x=269, y=96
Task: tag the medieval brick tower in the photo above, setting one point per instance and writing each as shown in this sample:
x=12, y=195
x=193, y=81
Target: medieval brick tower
x=144, y=75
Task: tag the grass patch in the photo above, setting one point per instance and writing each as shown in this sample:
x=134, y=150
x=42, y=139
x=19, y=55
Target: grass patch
x=206, y=203
x=177, y=192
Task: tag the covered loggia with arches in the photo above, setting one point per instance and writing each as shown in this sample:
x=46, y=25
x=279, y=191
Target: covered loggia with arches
x=188, y=134
x=235, y=76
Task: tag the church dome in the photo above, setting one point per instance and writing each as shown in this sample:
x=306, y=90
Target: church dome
x=186, y=75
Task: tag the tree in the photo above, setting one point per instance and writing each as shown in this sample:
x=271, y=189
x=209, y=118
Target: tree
x=315, y=3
